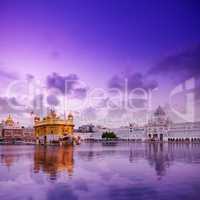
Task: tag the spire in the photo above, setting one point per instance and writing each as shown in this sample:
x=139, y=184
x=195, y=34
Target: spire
x=64, y=114
x=159, y=111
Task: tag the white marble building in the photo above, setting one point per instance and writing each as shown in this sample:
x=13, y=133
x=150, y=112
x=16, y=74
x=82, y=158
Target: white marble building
x=161, y=128
x=184, y=131
x=158, y=128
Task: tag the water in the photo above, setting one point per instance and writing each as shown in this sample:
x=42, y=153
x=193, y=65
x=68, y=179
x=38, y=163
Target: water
x=100, y=171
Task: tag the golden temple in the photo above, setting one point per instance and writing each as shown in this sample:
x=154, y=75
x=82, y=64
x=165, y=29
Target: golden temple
x=52, y=128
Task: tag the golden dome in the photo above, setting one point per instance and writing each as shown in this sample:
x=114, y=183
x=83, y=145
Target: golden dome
x=9, y=121
x=51, y=114
x=70, y=116
x=36, y=118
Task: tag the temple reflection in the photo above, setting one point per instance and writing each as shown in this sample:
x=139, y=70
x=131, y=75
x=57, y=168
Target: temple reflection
x=10, y=154
x=52, y=160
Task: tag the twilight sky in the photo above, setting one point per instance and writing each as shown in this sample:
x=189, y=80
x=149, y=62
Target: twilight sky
x=150, y=43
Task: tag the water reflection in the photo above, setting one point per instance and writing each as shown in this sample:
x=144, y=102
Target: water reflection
x=8, y=160
x=10, y=154
x=100, y=171
x=158, y=155
x=52, y=160
x=158, y=158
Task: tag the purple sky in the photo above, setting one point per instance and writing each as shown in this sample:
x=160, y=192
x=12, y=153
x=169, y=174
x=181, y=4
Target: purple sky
x=99, y=40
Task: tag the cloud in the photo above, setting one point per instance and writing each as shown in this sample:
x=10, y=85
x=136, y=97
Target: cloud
x=38, y=105
x=29, y=77
x=114, y=114
x=63, y=83
x=55, y=55
x=7, y=105
x=4, y=74
x=89, y=114
x=53, y=100
x=67, y=84
x=80, y=93
x=134, y=80
x=180, y=66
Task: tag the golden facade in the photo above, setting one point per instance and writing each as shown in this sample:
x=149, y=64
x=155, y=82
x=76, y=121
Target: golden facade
x=9, y=121
x=52, y=126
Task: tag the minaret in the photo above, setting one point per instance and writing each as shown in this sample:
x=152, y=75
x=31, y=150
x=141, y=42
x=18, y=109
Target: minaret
x=70, y=123
x=64, y=115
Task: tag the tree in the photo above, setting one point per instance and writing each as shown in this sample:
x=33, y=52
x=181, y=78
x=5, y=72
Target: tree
x=109, y=135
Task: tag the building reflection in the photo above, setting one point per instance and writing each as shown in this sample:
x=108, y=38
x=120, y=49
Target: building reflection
x=11, y=154
x=158, y=158
x=8, y=160
x=161, y=156
x=156, y=155
x=53, y=160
